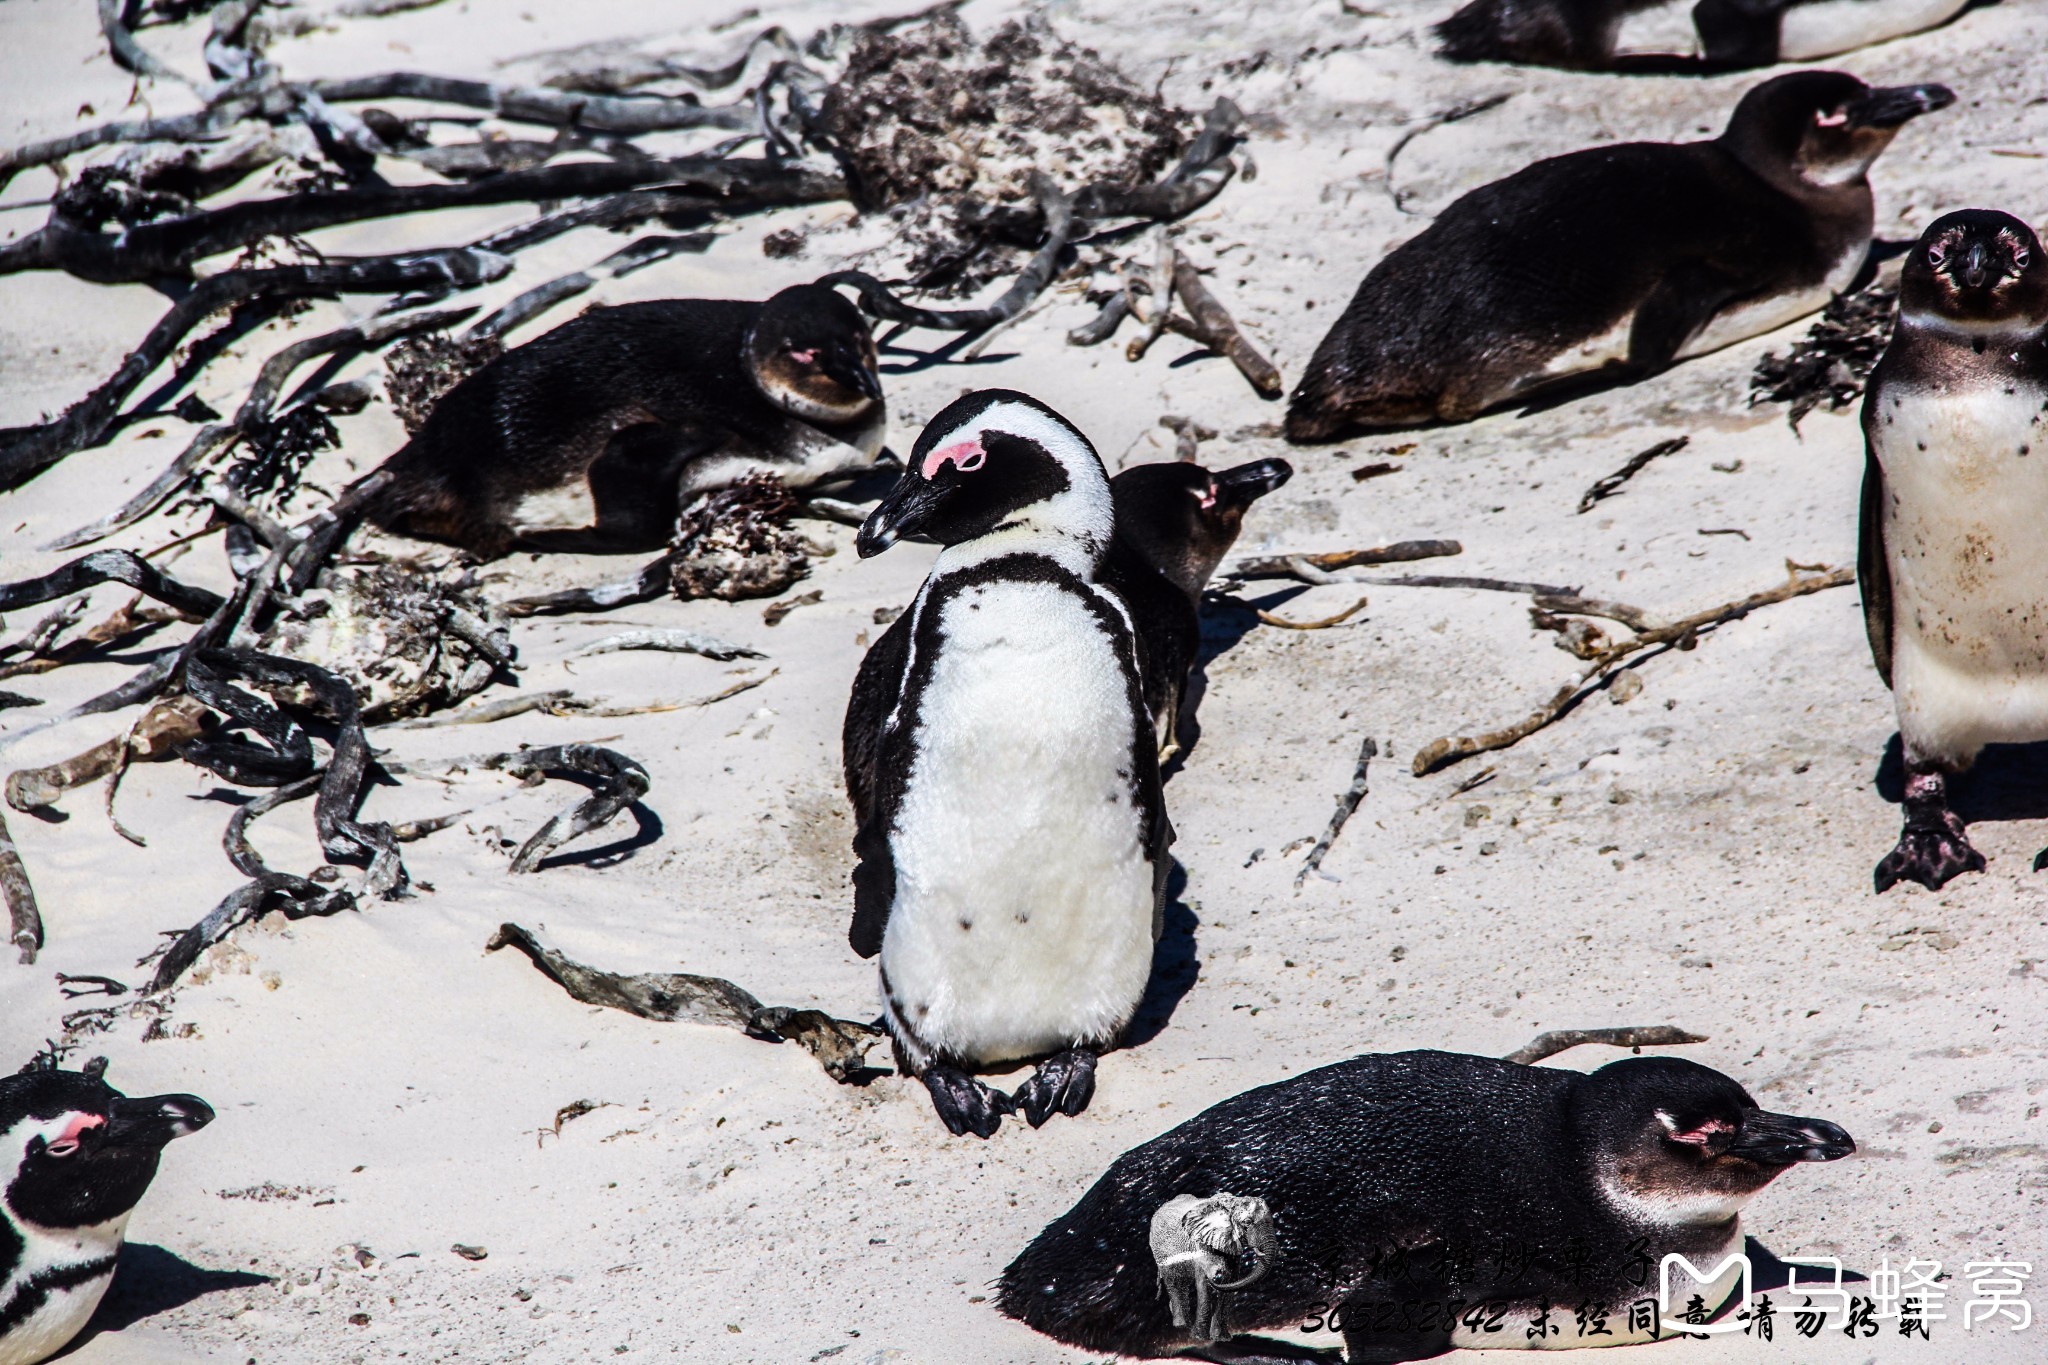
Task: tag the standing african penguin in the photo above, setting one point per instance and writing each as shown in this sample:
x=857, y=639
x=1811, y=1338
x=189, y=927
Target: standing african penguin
x=1001, y=764
x=593, y=436
x=75, y=1158
x=1954, y=553
x=1174, y=523
x=1619, y=259
x=1424, y=1179
x=1710, y=35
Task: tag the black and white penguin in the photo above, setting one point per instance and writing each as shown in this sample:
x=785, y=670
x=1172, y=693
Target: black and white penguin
x=1011, y=833
x=1954, y=551
x=1174, y=523
x=1684, y=35
x=1617, y=259
x=1419, y=1180
x=75, y=1158
x=591, y=437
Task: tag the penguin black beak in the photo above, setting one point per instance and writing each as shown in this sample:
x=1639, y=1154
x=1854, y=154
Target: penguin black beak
x=1891, y=106
x=848, y=367
x=1247, y=483
x=899, y=516
x=1976, y=265
x=154, y=1120
x=1782, y=1140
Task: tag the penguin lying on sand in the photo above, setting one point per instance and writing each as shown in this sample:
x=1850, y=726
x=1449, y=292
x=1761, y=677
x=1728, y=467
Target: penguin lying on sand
x=1954, y=555
x=75, y=1158
x=591, y=437
x=1425, y=1178
x=1003, y=772
x=1711, y=35
x=1618, y=259
x=1174, y=523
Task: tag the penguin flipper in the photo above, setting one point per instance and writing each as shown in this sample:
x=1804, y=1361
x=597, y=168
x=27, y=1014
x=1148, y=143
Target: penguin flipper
x=1675, y=311
x=1874, y=569
x=877, y=687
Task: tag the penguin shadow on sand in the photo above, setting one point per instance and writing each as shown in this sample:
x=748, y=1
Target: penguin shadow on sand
x=2009, y=782
x=1175, y=965
x=150, y=1280
x=1226, y=620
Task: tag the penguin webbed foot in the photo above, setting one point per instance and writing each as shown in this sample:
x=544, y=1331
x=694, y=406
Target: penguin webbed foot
x=1932, y=850
x=964, y=1104
x=1063, y=1084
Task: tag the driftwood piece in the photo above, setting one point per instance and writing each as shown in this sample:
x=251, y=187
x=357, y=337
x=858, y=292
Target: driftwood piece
x=537, y=300
x=111, y=566
x=673, y=642
x=1289, y=566
x=24, y=919
x=1216, y=329
x=1324, y=623
x=1160, y=283
x=1346, y=804
x=1559, y=1040
x=163, y=730
x=1442, y=752
x=840, y=1045
x=296, y=896
x=646, y=585
x=621, y=783
x=1609, y=485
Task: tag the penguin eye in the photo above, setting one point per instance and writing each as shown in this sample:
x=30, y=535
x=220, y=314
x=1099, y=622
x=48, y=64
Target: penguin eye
x=1936, y=253
x=63, y=1147
x=804, y=357
x=2020, y=257
x=1826, y=119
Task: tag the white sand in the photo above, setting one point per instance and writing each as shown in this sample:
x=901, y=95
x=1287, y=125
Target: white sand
x=1700, y=856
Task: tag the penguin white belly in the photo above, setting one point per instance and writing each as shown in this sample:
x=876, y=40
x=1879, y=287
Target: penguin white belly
x=1963, y=529
x=1514, y=1330
x=1658, y=30
x=1022, y=919
x=63, y=1311
x=567, y=507
x=1753, y=318
x=813, y=455
x=1826, y=27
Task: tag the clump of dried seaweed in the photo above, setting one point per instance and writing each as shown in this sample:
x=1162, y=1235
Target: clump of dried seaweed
x=1831, y=363
x=405, y=642
x=946, y=132
x=737, y=542
x=419, y=370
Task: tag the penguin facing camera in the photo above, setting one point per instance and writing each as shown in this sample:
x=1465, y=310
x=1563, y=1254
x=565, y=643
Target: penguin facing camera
x=76, y=1156
x=591, y=437
x=1679, y=35
x=1356, y=1190
x=1174, y=523
x=1953, y=560
x=1003, y=771
x=1611, y=264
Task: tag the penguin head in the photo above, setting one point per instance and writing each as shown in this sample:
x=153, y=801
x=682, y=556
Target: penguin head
x=1183, y=519
x=1674, y=1143
x=997, y=464
x=811, y=353
x=74, y=1152
x=1821, y=129
x=1976, y=271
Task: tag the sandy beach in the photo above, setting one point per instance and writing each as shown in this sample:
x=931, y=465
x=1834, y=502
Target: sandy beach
x=1699, y=854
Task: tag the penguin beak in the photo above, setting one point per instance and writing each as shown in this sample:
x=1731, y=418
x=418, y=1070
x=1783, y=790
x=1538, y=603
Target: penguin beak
x=1893, y=105
x=899, y=516
x=1976, y=265
x=150, y=1122
x=1247, y=483
x=1782, y=1140
x=846, y=366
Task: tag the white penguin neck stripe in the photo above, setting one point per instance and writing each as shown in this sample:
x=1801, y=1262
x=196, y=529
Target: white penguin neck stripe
x=1072, y=527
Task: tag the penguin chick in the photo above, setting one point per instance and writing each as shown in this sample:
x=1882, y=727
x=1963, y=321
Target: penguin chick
x=1430, y=1177
x=1011, y=833
x=591, y=437
x=75, y=1158
x=1618, y=260
x=1953, y=561
x=1712, y=35
x=1174, y=523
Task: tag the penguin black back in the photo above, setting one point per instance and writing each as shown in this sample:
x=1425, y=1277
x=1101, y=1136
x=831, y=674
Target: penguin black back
x=590, y=436
x=1619, y=259
x=1393, y=1155
x=1174, y=523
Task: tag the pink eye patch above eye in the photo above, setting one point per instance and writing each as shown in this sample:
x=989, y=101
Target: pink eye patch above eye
x=967, y=454
x=804, y=357
x=1705, y=1133
x=1207, y=498
x=1831, y=120
x=79, y=1123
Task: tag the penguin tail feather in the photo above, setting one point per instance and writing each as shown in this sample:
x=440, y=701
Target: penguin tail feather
x=1470, y=35
x=1078, y=1288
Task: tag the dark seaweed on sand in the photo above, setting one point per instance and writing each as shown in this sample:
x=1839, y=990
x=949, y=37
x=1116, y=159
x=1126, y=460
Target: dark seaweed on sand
x=1831, y=363
x=419, y=370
